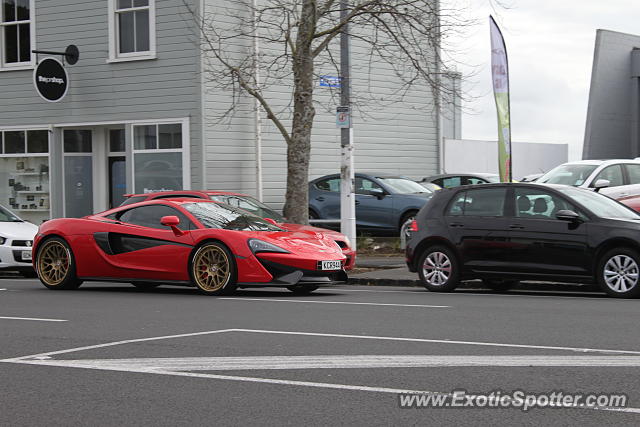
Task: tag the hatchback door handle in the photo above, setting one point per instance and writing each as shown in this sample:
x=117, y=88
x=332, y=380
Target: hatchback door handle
x=456, y=224
x=320, y=199
x=516, y=227
x=357, y=202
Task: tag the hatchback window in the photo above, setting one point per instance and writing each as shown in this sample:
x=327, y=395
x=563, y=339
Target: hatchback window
x=538, y=204
x=365, y=186
x=452, y=181
x=330, y=184
x=634, y=173
x=613, y=174
x=480, y=202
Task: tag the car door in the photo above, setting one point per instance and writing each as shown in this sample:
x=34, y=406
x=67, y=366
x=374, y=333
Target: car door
x=477, y=226
x=324, y=197
x=139, y=247
x=632, y=183
x=374, y=205
x=541, y=243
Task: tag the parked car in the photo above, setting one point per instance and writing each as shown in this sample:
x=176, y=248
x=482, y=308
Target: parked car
x=190, y=242
x=16, y=240
x=614, y=178
x=384, y=202
x=451, y=180
x=503, y=233
x=252, y=205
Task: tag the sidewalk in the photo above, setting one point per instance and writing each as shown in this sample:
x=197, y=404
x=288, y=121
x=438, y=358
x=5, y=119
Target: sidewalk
x=393, y=271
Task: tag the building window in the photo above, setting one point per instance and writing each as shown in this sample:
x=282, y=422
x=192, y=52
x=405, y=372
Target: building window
x=17, y=37
x=24, y=173
x=158, y=157
x=132, y=29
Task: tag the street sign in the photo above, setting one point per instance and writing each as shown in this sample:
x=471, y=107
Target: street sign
x=343, y=118
x=51, y=80
x=329, y=81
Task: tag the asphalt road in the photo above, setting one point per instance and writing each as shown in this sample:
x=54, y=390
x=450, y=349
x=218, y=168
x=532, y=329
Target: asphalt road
x=108, y=354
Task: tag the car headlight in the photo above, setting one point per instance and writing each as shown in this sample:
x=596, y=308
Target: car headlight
x=257, y=246
x=2, y=240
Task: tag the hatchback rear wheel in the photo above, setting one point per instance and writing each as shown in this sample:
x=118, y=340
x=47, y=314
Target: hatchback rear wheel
x=438, y=269
x=619, y=273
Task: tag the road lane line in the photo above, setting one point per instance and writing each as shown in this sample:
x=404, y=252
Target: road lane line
x=334, y=302
x=32, y=318
x=187, y=364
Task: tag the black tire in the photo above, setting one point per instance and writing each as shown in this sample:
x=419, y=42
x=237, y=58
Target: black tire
x=411, y=215
x=29, y=274
x=302, y=289
x=446, y=269
x=145, y=286
x=618, y=273
x=313, y=214
x=54, y=254
x=499, y=285
x=211, y=277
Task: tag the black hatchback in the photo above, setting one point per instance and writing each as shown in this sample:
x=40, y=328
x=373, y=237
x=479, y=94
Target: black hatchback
x=503, y=233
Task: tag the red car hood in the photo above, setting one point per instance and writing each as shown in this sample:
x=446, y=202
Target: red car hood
x=299, y=227
x=307, y=242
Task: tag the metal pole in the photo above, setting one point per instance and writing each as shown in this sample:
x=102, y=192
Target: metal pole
x=257, y=106
x=347, y=178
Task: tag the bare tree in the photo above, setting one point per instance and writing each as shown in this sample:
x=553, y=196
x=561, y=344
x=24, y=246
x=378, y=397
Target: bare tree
x=300, y=35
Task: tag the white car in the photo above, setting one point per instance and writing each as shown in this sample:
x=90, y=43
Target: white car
x=614, y=178
x=16, y=239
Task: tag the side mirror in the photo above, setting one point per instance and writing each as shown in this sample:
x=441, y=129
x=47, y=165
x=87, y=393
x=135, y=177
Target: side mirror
x=378, y=192
x=567, y=215
x=172, y=221
x=601, y=183
x=271, y=221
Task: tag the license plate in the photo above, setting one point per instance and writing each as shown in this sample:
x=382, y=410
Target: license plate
x=331, y=265
x=26, y=255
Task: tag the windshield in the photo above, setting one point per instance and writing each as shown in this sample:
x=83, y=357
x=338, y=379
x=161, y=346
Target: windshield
x=599, y=204
x=249, y=204
x=404, y=186
x=7, y=216
x=218, y=215
x=568, y=174
x=492, y=178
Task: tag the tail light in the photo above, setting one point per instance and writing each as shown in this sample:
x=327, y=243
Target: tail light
x=413, y=227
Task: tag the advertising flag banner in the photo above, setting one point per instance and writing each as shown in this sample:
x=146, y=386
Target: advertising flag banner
x=500, y=75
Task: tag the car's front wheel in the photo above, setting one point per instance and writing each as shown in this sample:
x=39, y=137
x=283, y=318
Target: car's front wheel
x=438, y=268
x=56, y=265
x=618, y=273
x=213, y=270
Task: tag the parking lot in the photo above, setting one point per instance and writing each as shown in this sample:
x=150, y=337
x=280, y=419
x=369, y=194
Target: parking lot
x=111, y=354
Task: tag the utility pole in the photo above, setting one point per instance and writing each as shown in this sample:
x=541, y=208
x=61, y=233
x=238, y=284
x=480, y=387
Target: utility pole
x=347, y=178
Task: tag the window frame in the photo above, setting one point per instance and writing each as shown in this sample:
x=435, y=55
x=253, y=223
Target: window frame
x=24, y=65
x=615, y=165
x=190, y=225
x=114, y=40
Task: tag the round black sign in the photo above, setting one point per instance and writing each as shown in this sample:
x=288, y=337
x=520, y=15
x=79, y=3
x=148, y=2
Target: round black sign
x=51, y=80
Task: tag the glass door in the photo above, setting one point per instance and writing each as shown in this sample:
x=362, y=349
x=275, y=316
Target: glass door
x=78, y=172
x=117, y=164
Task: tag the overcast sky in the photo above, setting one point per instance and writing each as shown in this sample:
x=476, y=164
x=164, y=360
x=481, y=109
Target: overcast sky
x=550, y=46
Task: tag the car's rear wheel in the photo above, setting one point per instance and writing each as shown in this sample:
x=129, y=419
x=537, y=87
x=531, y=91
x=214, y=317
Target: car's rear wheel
x=56, y=265
x=619, y=273
x=499, y=285
x=438, y=268
x=405, y=222
x=313, y=214
x=302, y=289
x=213, y=269
x=145, y=286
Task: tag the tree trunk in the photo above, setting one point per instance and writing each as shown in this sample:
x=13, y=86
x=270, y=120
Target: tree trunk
x=296, y=205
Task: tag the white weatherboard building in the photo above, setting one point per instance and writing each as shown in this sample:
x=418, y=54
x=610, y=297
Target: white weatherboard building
x=140, y=114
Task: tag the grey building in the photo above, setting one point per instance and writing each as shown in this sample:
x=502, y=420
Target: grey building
x=613, y=126
x=139, y=113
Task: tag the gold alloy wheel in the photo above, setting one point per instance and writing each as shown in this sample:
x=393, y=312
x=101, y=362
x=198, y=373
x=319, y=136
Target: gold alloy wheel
x=211, y=268
x=53, y=263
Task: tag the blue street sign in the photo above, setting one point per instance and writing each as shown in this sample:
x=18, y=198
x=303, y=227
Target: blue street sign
x=329, y=81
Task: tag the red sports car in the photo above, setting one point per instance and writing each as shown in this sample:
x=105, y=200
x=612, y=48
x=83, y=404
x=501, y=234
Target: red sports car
x=254, y=206
x=190, y=242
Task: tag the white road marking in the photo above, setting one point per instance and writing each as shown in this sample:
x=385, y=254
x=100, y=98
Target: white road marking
x=32, y=318
x=3, y=289
x=333, y=302
x=181, y=364
x=488, y=293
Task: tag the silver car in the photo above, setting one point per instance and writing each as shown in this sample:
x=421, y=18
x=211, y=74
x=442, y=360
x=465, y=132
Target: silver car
x=614, y=178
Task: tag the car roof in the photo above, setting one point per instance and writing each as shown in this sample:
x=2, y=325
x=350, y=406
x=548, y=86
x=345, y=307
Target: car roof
x=182, y=192
x=447, y=175
x=365, y=175
x=602, y=161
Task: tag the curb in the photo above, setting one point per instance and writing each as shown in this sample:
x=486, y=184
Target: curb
x=477, y=284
